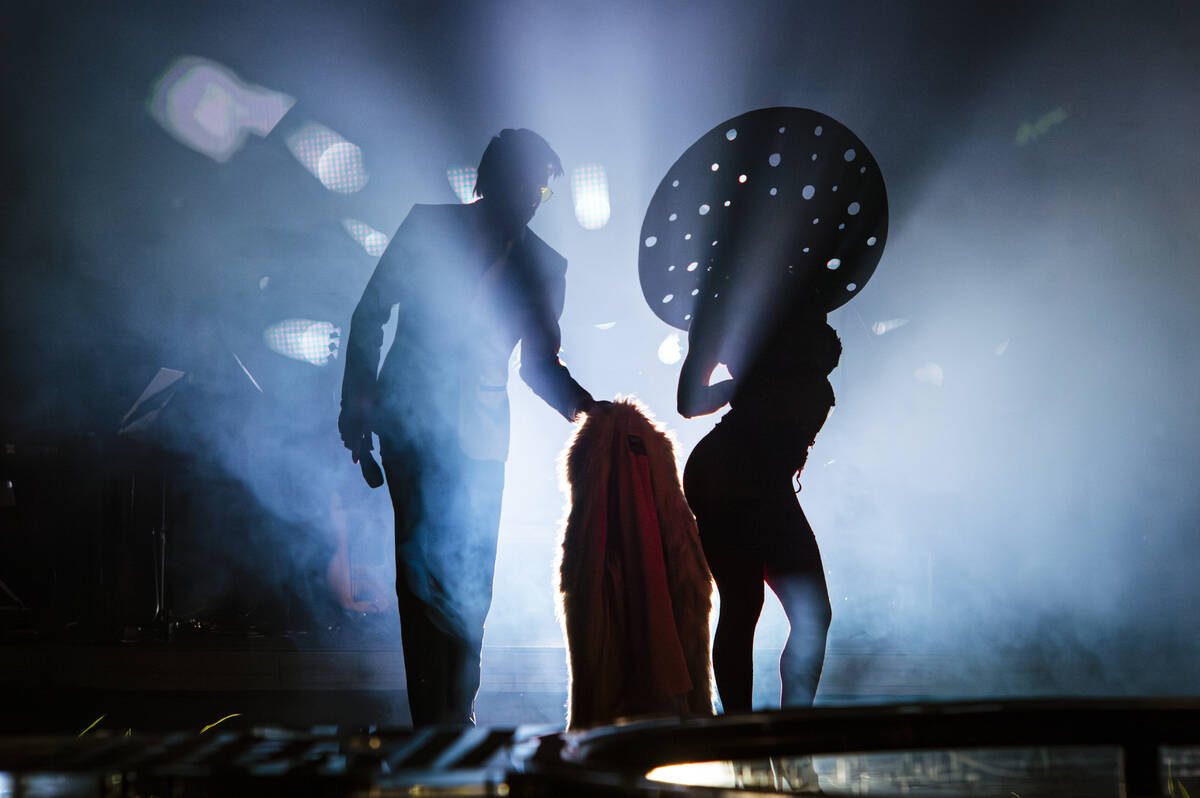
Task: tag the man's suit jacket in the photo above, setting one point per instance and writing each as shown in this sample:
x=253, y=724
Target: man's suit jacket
x=463, y=306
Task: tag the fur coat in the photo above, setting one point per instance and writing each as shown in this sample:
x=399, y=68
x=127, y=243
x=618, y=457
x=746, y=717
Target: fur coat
x=634, y=589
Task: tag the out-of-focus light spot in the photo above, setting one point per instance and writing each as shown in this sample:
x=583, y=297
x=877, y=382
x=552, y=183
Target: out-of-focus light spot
x=651, y=240
x=670, y=351
x=849, y=155
x=773, y=191
x=808, y=191
x=672, y=217
x=731, y=134
x=774, y=159
x=337, y=163
x=871, y=241
x=695, y=774
x=833, y=263
x=1029, y=131
x=726, y=203
x=373, y=241
x=462, y=180
x=930, y=373
x=208, y=108
x=715, y=167
x=303, y=339
x=691, y=267
x=341, y=168
x=607, y=325
x=668, y=298
x=817, y=130
x=742, y=178
x=719, y=374
x=853, y=208
x=264, y=282
x=589, y=190
x=704, y=209
x=881, y=327
x=1001, y=348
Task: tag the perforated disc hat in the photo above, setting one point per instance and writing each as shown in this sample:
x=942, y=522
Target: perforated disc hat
x=787, y=198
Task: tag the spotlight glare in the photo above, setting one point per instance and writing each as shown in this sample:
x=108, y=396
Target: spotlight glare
x=303, y=339
x=882, y=327
x=670, y=351
x=337, y=163
x=206, y=106
x=462, y=180
x=589, y=189
x=373, y=241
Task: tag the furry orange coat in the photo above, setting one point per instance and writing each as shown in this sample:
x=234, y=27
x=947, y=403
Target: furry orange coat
x=634, y=588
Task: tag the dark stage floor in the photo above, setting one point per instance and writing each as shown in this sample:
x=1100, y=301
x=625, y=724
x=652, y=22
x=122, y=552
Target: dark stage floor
x=62, y=687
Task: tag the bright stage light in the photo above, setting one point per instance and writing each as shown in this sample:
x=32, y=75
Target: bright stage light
x=670, y=351
x=881, y=327
x=589, y=189
x=208, y=108
x=373, y=241
x=695, y=774
x=303, y=339
x=462, y=180
x=337, y=163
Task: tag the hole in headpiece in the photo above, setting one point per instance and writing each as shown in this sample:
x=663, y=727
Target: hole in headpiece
x=808, y=191
x=651, y=240
x=849, y=155
x=871, y=241
x=774, y=159
x=668, y=298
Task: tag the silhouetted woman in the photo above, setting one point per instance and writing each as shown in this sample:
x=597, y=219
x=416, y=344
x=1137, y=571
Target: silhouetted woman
x=739, y=483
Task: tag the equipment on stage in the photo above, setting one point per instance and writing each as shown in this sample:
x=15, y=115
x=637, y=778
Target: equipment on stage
x=777, y=200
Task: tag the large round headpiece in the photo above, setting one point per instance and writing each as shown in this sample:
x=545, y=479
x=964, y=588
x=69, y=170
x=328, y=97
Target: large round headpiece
x=786, y=198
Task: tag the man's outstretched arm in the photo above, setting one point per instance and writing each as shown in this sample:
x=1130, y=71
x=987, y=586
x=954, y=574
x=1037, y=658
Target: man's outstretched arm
x=540, y=367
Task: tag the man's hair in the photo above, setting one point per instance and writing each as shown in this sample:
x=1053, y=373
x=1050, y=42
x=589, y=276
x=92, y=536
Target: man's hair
x=514, y=156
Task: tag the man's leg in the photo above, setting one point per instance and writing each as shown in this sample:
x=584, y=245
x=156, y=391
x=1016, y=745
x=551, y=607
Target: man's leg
x=470, y=586
x=420, y=638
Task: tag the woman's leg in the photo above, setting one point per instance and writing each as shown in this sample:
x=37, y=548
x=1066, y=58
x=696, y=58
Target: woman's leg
x=739, y=578
x=797, y=577
x=740, y=585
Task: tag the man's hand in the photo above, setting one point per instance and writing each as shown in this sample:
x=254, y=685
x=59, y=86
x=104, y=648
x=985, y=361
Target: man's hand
x=355, y=432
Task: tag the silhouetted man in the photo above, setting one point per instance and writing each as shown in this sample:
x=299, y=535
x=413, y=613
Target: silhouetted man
x=470, y=281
